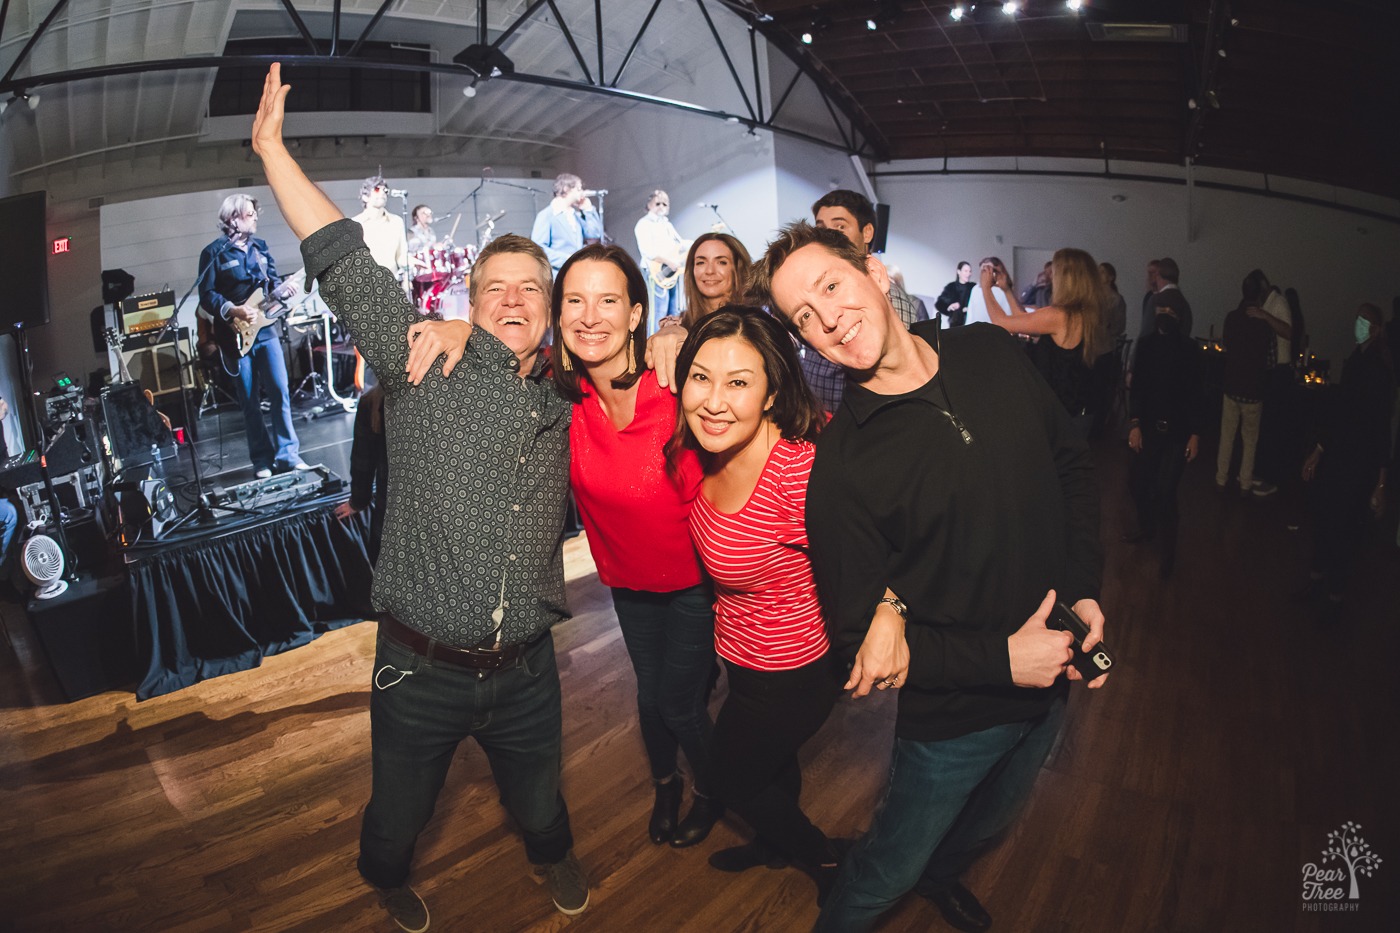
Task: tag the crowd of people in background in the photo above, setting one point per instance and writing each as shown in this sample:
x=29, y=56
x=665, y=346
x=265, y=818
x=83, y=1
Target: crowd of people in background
x=795, y=470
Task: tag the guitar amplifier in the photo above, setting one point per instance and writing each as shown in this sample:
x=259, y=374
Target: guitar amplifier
x=147, y=339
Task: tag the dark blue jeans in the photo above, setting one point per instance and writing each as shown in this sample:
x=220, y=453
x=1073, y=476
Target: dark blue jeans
x=420, y=710
x=265, y=368
x=671, y=640
x=945, y=802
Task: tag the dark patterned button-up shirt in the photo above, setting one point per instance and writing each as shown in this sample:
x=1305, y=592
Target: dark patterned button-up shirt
x=478, y=467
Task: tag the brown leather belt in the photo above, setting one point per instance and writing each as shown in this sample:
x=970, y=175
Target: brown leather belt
x=476, y=659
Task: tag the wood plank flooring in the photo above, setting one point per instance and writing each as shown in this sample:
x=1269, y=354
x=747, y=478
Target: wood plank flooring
x=1187, y=796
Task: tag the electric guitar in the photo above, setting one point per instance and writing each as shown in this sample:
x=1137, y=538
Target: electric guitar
x=114, y=343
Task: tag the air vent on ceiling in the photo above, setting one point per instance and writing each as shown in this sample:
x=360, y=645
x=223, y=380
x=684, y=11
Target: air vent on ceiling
x=1137, y=32
x=95, y=203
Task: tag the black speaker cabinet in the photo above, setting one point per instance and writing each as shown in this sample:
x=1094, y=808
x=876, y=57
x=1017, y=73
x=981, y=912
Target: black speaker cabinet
x=88, y=636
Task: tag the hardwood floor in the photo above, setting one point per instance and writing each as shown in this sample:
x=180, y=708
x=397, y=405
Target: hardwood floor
x=1188, y=795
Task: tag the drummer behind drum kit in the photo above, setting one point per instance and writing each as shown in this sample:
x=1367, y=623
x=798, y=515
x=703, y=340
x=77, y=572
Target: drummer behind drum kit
x=441, y=272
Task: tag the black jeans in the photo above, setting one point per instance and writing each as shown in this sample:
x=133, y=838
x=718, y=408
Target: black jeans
x=766, y=718
x=671, y=640
x=420, y=710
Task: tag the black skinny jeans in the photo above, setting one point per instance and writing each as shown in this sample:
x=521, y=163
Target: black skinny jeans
x=766, y=718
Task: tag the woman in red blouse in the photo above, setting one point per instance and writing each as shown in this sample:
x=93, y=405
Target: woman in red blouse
x=749, y=413
x=636, y=514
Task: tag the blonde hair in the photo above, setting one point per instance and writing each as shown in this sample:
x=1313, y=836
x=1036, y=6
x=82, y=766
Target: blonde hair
x=1078, y=292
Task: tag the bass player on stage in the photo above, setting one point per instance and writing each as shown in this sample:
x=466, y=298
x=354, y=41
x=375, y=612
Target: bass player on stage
x=234, y=271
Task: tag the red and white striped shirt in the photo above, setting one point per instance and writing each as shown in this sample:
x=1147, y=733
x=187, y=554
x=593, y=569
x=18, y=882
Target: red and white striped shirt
x=766, y=613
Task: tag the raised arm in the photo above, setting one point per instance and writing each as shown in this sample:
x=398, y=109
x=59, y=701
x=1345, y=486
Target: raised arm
x=304, y=206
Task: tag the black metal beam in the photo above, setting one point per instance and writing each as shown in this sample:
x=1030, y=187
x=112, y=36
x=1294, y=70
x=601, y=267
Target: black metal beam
x=1215, y=30
x=300, y=24
x=335, y=28
x=757, y=82
x=836, y=121
x=633, y=47
x=733, y=72
x=598, y=19
x=519, y=21
x=373, y=22
x=481, y=22
x=29, y=46
x=4, y=12
x=569, y=38
x=796, y=76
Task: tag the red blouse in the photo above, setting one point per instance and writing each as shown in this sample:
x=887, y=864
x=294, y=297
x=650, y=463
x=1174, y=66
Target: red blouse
x=635, y=514
x=766, y=613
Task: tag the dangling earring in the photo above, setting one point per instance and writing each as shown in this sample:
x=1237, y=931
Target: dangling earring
x=564, y=360
x=631, y=352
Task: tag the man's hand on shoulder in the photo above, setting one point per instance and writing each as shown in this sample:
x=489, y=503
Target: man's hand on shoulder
x=430, y=340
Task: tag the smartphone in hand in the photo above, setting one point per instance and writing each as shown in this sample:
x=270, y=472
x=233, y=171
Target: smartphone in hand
x=1094, y=663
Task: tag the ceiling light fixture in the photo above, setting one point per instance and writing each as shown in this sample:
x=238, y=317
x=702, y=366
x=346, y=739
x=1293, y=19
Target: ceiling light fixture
x=1075, y=5
x=470, y=90
x=870, y=24
x=1010, y=7
x=957, y=12
x=806, y=38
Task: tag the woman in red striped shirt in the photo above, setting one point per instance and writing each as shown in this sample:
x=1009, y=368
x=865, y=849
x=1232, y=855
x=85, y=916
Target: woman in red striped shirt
x=636, y=514
x=748, y=412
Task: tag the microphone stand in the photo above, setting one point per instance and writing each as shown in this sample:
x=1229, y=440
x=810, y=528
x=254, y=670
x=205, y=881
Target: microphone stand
x=715, y=208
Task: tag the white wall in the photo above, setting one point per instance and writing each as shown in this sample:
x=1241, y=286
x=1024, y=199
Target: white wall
x=693, y=159
x=1335, y=259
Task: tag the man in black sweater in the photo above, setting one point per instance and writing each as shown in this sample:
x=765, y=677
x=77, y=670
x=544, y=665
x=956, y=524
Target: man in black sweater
x=1165, y=408
x=951, y=503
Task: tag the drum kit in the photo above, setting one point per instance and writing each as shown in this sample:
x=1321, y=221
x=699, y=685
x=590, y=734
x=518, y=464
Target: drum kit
x=440, y=273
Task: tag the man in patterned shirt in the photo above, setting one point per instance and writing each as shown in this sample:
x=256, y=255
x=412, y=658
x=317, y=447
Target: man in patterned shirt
x=470, y=576
x=851, y=213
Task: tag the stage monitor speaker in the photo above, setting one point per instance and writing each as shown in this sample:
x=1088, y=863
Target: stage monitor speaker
x=75, y=447
x=882, y=228
x=24, y=242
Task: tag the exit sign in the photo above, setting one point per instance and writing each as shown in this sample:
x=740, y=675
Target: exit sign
x=62, y=245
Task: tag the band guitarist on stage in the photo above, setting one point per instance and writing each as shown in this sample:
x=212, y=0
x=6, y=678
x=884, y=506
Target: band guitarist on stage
x=663, y=258
x=232, y=270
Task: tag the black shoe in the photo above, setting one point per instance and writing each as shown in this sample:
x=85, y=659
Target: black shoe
x=667, y=810
x=742, y=858
x=958, y=906
x=704, y=813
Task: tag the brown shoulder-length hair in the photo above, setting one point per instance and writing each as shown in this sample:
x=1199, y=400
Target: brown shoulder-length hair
x=742, y=263
x=795, y=410
x=1078, y=291
x=568, y=379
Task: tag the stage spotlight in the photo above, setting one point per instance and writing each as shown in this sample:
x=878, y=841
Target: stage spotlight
x=1010, y=7
x=469, y=91
x=806, y=38
x=1075, y=5
x=33, y=101
x=957, y=12
x=870, y=24
x=1191, y=104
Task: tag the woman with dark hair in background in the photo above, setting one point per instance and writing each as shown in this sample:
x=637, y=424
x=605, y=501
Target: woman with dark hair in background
x=749, y=413
x=1348, y=464
x=1071, y=337
x=636, y=513
x=716, y=269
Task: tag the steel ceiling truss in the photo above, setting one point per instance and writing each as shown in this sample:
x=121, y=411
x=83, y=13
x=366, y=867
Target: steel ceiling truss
x=853, y=132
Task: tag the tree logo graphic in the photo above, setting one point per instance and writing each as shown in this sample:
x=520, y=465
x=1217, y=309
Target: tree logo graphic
x=1350, y=859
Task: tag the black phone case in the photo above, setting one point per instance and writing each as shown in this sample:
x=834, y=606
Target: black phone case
x=1093, y=664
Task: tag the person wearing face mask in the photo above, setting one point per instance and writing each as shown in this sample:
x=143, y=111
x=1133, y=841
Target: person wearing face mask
x=716, y=269
x=1347, y=465
x=1166, y=411
x=952, y=303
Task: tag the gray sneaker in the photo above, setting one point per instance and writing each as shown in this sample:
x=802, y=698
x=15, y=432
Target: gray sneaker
x=406, y=907
x=568, y=885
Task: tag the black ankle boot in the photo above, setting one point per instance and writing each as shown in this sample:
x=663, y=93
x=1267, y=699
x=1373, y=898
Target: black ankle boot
x=667, y=810
x=704, y=813
x=744, y=857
